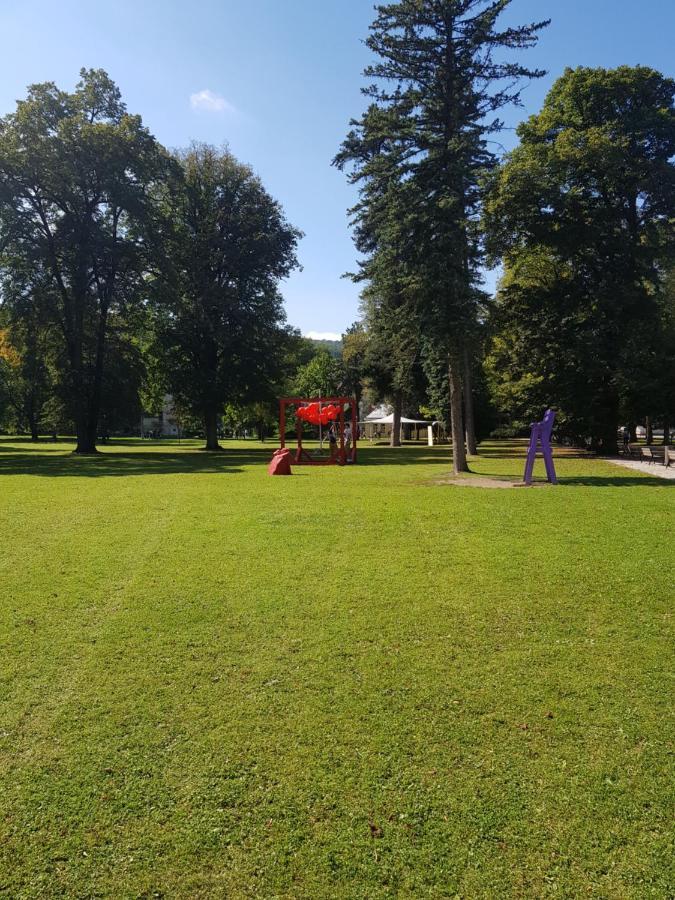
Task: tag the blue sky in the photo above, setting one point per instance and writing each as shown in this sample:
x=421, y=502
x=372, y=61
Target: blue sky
x=278, y=80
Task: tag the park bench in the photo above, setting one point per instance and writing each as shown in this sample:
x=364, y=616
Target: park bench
x=658, y=455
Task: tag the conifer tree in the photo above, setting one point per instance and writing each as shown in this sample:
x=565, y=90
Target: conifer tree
x=436, y=89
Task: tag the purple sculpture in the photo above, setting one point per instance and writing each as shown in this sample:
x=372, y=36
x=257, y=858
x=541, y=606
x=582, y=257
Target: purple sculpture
x=541, y=433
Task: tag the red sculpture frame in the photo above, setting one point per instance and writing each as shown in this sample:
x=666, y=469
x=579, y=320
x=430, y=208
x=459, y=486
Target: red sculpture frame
x=301, y=456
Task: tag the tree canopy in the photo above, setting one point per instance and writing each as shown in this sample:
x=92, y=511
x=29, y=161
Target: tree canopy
x=77, y=209
x=219, y=312
x=581, y=213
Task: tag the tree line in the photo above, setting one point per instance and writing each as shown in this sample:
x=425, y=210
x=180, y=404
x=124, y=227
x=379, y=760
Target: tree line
x=128, y=272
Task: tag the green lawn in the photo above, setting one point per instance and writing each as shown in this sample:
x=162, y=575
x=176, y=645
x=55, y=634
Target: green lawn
x=349, y=683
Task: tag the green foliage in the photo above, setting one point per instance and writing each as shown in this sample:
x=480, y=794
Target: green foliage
x=123, y=375
x=355, y=343
x=332, y=347
x=26, y=373
x=322, y=376
x=436, y=83
x=418, y=154
x=220, y=315
x=582, y=214
x=77, y=217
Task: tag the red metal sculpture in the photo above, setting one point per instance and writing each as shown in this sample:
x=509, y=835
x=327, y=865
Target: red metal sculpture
x=322, y=411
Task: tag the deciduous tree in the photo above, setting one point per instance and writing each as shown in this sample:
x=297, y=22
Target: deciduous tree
x=582, y=214
x=76, y=210
x=322, y=376
x=220, y=315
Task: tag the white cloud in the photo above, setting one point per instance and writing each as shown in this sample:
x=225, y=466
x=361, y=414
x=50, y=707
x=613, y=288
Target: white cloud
x=323, y=336
x=209, y=101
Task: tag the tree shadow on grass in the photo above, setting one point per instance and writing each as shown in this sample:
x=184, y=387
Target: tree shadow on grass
x=402, y=456
x=615, y=481
x=517, y=449
x=586, y=480
x=416, y=454
x=53, y=465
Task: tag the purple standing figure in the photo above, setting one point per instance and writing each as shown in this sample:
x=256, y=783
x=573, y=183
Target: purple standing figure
x=541, y=434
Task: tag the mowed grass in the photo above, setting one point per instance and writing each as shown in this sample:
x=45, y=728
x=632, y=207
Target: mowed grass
x=349, y=683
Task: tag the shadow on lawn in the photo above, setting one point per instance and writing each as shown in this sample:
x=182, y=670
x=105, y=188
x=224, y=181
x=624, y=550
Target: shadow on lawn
x=587, y=480
x=517, y=449
x=615, y=481
x=22, y=462
x=402, y=456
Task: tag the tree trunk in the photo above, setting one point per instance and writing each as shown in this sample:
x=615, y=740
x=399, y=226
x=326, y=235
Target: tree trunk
x=86, y=436
x=469, y=418
x=395, y=440
x=92, y=433
x=88, y=394
x=666, y=432
x=211, y=428
x=608, y=440
x=31, y=417
x=459, y=463
x=632, y=428
x=649, y=436
x=357, y=398
x=85, y=429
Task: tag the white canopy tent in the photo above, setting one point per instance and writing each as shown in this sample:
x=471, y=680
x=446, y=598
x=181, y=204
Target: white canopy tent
x=389, y=420
x=376, y=418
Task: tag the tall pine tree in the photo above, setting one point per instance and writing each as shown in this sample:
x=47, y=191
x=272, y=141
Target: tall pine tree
x=435, y=90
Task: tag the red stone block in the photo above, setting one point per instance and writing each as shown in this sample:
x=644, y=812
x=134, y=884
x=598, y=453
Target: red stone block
x=280, y=463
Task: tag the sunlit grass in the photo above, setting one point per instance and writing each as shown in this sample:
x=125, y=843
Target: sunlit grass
x=349, y=683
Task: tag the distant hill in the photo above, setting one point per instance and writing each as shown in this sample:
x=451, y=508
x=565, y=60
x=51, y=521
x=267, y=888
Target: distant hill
x=332, y=347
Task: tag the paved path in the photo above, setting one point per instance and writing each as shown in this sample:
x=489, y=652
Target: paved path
x=654, y=469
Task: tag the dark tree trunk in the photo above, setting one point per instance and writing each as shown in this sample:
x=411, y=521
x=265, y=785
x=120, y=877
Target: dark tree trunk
x=469, y=418
x=32, y=418
x=459, y=463
x=649, y=436
x=86, y=437
x=666, y=432
x=92, y=432
x=87, y=392
x=608, y=443
x=357, y=398
x=211, y=429
x=632, y=428
x=608, y=437
x=85, y=429
x=395, y=440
